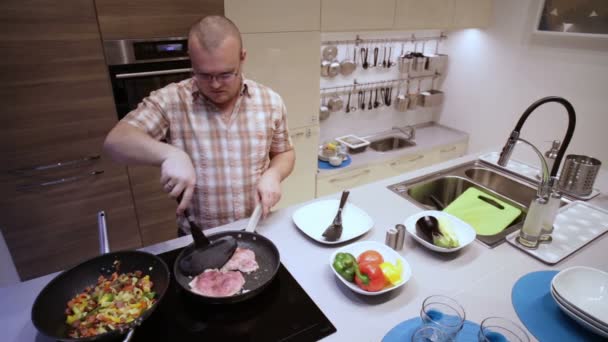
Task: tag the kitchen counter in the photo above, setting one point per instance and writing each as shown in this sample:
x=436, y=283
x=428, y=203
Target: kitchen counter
x=476, y=276
x=428, y=136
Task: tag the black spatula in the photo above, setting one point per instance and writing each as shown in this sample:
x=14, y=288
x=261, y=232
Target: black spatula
x=206, y=254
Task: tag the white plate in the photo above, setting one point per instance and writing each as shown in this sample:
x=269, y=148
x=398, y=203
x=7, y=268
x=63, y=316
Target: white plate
x=577, y=312
x=314, y=218
x=464, y=232
x=387, y=253
x=578, y=319
x=586, y=289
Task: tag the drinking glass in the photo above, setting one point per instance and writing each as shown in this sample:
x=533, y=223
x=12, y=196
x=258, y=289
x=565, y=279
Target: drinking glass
x=429, y=333
x=444, y=313
x=498, y=329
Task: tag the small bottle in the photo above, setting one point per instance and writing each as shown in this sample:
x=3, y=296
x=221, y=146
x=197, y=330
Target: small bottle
x=549, y=216
x=550, y=156
x=530, y=232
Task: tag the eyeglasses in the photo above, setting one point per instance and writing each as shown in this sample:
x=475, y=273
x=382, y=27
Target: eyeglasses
x=224, y=77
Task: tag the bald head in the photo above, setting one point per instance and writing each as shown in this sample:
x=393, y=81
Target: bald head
x=212, y=30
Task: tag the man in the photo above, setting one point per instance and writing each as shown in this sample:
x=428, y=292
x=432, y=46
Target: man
x=227, y=145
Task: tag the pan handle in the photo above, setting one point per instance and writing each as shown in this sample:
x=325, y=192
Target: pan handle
x=254, y=219
x=104, y=245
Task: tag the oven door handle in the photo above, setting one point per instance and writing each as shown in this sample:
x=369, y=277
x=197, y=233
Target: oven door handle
x=153, y=73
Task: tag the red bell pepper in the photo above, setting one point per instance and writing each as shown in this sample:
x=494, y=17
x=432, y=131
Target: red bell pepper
x=370, y=278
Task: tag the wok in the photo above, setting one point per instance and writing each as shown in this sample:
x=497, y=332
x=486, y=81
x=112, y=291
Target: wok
x=48, y=311
x=266, y=255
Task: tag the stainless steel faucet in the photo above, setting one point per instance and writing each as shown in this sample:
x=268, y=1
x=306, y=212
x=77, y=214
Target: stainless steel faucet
x=541, y=209
x=408, y=130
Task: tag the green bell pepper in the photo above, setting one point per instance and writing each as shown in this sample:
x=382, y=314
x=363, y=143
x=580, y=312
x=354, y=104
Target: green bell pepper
x=346, y=266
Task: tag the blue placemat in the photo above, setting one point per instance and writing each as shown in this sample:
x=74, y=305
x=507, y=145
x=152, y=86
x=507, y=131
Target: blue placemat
x=538, y=311
x=327, y=166
x=404, y=331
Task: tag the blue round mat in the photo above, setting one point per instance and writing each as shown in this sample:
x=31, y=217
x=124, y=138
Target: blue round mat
x=536, y=308
x=404, y=331
x=327, y=166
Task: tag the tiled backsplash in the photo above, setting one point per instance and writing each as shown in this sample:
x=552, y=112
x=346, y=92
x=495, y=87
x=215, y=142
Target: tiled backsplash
x=382, y=118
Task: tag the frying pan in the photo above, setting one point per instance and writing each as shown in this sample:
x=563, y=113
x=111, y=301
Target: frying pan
x=266, y=255
x=48, y=311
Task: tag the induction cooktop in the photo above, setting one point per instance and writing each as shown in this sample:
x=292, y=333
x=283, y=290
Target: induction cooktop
x=283, y=311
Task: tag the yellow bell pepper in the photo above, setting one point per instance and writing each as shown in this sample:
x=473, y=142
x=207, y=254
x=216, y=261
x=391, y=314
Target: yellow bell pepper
x=392, y=272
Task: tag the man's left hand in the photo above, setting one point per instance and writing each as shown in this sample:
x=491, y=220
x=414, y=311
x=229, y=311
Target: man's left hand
x=269, y=190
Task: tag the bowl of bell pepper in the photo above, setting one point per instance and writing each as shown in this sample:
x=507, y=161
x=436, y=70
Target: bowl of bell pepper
x=370, y=267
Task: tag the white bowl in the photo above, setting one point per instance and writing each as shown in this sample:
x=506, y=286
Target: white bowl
x=313, y=218
x=581, y=315
x=579, y=319
x=387, y=253
x=586, y=289
x=464, y=232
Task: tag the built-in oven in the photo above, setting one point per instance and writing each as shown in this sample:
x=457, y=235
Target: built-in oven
x=138, y=67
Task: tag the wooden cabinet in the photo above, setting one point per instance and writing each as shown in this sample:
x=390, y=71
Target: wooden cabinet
x=57, y=108
x=133, y=19
x=351, y=178
x=289, y=64
x=155, y=209
x=300, y=185
x=412, y=162
x=472, y=13
x=354, y=15
x=274, y=15
x=451, y=151
x=423, y=14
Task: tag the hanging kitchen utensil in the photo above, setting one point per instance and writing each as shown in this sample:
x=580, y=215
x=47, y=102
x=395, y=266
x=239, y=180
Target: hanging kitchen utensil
x=334, y=68
x=384, y=56
x=354, y=107
x=390, y=63
x=370, y=105
x=375, y=56
x=361, y=99
x=363, y=55
x=335, y=103
x=329, y=52
x=376, y=102
x=348, y=103
x=348, y=65
x=325, y=68
x=323, y=110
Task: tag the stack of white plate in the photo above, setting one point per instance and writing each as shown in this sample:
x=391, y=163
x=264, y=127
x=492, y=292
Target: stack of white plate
x=582, y=293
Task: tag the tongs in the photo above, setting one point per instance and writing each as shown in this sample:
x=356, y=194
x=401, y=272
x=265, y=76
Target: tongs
x=334, y=231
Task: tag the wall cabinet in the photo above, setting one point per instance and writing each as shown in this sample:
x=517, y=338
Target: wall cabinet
x=472, y=13
x=274, y=15
x=299, y=186
x=58, y=107
x=289, y=64
x=134, y=19
x=423, y=14
x=357, y=15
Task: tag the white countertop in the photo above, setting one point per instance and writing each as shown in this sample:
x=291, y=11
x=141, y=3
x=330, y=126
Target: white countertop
x=478, y=277
x=428, y=136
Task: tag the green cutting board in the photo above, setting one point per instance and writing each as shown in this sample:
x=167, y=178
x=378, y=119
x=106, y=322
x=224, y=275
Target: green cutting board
x=486, y=214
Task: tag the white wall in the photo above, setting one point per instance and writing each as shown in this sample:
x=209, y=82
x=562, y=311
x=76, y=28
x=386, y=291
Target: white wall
x=495, y=74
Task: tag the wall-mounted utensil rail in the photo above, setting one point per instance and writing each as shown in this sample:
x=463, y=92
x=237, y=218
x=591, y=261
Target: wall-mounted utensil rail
x=358, y=40
x=355, y=85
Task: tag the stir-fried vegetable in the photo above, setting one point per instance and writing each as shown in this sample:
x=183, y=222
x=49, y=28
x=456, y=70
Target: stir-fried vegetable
x=113, y=303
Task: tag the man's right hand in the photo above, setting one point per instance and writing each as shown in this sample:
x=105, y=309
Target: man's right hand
x=177, y=177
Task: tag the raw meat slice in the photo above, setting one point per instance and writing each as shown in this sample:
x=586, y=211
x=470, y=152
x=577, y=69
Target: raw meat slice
x=242, y=260
x=214, y=283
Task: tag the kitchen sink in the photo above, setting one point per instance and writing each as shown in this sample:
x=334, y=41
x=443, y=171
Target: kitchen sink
x=439, y=189
x=390, y=143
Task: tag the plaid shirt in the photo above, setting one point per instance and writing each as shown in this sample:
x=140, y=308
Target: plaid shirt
x=228, y=158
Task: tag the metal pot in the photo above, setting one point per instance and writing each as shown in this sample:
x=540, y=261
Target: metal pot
x=323, y=110
x=325, y=68
x=348, y=65
x=334, y=68
x=335, y=103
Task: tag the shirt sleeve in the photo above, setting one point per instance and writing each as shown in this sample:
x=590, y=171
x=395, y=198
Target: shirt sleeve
x=281, y=141
x=150, y=115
